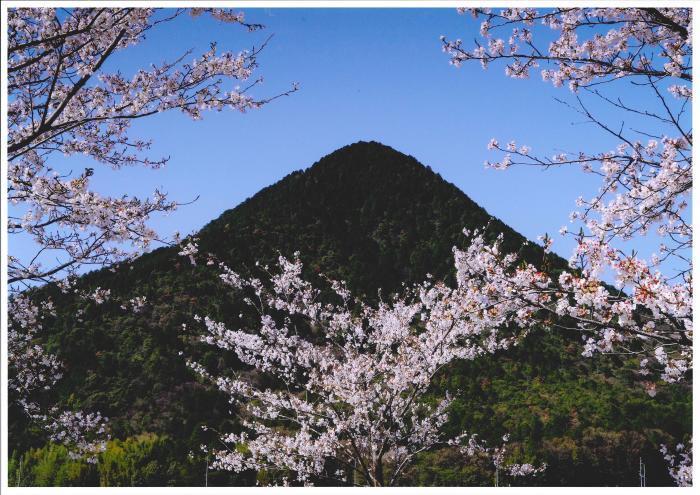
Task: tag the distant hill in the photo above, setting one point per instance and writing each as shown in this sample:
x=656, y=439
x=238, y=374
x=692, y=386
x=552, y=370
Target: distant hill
x=377, y=218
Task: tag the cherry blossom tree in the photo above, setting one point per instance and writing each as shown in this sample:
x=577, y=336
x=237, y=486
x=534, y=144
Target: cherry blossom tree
x=62, y=101
x=351, y=401
x=32, y=371
x=603, y=55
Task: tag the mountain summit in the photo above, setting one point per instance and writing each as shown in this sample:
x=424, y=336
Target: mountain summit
x=366, y=213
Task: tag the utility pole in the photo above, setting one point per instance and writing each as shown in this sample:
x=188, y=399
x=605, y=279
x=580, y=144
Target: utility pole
x=496, y=476
x=642, y=473
x=206, y=473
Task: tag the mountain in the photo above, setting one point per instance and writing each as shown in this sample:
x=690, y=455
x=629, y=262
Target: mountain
x=377, y=218
x=366, y=213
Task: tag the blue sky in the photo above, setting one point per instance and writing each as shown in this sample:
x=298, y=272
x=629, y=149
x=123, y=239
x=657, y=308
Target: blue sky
x=365, y=74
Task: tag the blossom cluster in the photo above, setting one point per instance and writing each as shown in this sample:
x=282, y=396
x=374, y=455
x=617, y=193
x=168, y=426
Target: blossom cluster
x=638, y=42
x=62, y=215
x=657, y=315
x=646, y=183
x=680, y=463
x=135, y=304
x=351, y=404
x=62, y=100
x=84, y=434
x=33, y=370
x=654, y=320
x=645, y=186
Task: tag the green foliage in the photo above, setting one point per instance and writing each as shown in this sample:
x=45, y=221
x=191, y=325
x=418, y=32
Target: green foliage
x=50, y=466
x=586, y=418
x=376, y=218
x=144, y=460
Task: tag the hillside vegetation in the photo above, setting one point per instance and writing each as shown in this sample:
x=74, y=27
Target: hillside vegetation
x=376, y=218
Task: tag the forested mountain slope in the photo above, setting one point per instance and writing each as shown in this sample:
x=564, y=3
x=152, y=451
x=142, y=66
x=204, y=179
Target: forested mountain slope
x=376, y=218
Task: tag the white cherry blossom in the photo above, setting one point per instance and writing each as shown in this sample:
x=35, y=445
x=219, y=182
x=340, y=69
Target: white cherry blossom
x=646, y=181
x=63, y=101
x=351, y=402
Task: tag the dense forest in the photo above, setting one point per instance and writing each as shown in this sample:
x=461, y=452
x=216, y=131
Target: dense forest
x=377, y=219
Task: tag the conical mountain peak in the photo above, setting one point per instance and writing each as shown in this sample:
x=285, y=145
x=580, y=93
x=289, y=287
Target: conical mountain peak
x=365, y=212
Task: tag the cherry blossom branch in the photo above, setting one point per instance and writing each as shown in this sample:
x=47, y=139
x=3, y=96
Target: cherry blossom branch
x=645, y=187
x=62, y=100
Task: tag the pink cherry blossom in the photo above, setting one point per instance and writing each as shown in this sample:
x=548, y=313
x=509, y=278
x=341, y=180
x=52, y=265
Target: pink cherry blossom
x=646, y=183
x=353, y=394
x=62, y=101
x=32, y=369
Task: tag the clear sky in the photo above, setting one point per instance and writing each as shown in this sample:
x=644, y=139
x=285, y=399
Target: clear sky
x=365, y=74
